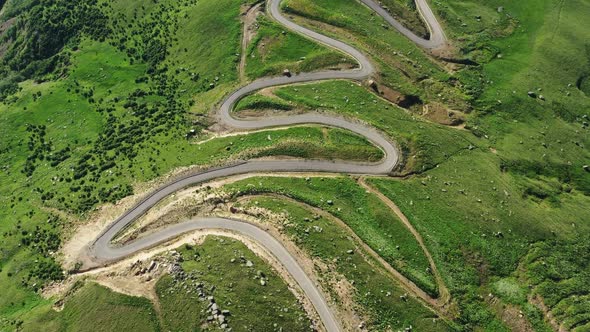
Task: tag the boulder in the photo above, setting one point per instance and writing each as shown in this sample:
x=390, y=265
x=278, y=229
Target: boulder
x=221, y=319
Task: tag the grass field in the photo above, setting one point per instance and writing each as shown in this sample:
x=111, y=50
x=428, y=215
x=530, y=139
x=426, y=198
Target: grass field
x=500, y=204
x=220, y=264
x=93, y=308
x=373, y=289
x=85, y=138
x=275, y=49
x=523, y=176
x=424, y=144
x=402, y=65
x=365, y=214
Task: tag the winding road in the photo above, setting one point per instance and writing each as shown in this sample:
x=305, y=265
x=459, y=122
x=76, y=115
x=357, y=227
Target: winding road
x=103, y=252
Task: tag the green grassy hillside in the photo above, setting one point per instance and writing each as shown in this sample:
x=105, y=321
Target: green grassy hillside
x=522, y=184
x=256, y=297
x=120, y=99
x=275, y=49
x=99, y=96
x=92, y=308
x=374, y=291
x=367, y=216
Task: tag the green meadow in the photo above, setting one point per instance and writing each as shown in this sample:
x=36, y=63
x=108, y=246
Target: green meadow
x=373, y=289
x=221, y=266
x=91, y=307
x=126, y=96
x=366, y=215
x=275, y=49
x=116, y=117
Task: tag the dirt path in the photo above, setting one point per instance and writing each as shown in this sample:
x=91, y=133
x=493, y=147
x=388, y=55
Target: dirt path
x=248, y=34
x=445, y=296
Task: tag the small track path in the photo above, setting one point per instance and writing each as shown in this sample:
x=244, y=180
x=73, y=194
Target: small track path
x=444, y=295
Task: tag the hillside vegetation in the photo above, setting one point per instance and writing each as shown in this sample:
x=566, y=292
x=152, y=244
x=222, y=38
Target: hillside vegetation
x=511, y=194
x=97, y=97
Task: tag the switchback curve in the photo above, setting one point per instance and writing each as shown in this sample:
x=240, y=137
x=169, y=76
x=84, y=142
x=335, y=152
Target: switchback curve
x=103, y=252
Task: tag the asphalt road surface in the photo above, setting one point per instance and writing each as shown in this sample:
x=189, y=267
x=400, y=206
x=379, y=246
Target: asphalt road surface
x=103, y=252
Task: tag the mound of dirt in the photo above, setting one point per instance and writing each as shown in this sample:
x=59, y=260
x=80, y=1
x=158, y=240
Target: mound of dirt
x=440, y=114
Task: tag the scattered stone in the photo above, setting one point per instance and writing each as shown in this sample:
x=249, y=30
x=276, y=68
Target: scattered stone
x=287, y=72
x=249, y=264
x=330, y=202
x=350, y=252
x=586, y=168
x=532, y=94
